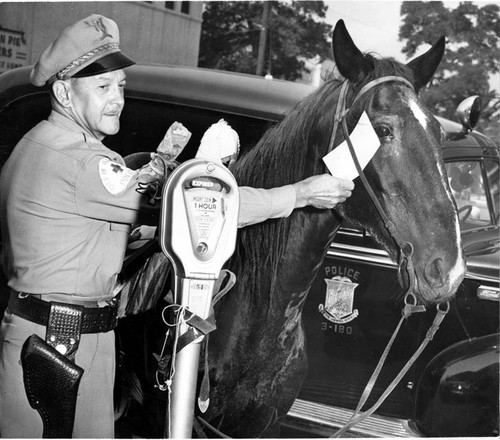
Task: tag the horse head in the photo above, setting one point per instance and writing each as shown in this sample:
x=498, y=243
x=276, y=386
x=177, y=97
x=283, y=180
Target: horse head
x=407, y=173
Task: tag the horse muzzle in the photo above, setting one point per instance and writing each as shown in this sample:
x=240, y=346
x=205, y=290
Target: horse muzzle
x=435, y=281
x=439, y=279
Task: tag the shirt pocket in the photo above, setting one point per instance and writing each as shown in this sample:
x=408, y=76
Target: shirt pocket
x=115, y=244
x=118, y=237
x=119, y=227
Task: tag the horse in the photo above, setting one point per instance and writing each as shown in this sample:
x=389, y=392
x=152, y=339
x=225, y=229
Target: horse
x=256, y=357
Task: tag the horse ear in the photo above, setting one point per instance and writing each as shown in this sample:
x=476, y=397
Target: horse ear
x=348, y=58
x=425, y=65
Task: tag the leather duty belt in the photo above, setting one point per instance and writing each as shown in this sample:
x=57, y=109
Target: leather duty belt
x=93, y=319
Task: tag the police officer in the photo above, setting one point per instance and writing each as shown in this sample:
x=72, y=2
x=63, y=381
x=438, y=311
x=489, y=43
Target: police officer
x=66, y=203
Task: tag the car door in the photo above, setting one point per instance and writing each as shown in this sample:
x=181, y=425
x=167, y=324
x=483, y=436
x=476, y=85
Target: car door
x=343, y=351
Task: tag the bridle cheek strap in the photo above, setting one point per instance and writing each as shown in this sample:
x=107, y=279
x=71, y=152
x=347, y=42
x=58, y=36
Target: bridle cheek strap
x=341, y=111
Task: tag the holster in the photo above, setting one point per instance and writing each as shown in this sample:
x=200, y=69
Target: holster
x=51, y=381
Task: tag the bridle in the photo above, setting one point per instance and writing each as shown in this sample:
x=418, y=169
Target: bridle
x=341, y=112
x=405, y=260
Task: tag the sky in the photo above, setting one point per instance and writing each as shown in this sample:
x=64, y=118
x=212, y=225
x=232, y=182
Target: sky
x=372, y=24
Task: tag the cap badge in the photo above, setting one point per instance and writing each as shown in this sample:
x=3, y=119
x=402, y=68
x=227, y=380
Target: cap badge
x=99, y=27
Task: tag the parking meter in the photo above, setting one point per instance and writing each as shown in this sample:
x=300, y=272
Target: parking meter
x=198, y=229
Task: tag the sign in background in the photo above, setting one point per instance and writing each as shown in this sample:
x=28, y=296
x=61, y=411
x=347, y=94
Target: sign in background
x=13, y=50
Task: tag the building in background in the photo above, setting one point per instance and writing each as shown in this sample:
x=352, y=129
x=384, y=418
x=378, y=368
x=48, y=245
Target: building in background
x=150, y=32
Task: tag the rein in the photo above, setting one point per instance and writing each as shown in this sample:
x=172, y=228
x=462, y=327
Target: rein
x=405, y=261
x=407, y=311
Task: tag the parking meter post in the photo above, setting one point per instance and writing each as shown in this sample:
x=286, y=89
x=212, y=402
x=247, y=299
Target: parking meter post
x=184, y=380
x=183, y=395
x=198, y=228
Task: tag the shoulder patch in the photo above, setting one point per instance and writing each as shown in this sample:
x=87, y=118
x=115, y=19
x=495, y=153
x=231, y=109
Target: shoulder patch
x=114, y=176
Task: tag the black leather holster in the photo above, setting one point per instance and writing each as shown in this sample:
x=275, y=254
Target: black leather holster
x=51, y=377
x=51, y=382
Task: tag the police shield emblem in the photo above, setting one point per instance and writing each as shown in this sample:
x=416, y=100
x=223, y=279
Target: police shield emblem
x=339, y=300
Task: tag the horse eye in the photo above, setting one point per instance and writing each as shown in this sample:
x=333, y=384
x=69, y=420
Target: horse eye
x=382, y=131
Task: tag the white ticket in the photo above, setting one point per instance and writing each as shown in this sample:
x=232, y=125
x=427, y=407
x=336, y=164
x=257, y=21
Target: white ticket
x=365, y=142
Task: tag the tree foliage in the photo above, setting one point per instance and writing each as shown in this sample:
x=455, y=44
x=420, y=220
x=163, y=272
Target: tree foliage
x=472, y=54
x=231, y=31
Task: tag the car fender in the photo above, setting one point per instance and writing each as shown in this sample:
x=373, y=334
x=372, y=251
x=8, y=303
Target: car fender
x=457, y=394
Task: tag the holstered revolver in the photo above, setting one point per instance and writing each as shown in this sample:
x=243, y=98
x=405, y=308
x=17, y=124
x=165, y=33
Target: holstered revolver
x=51, y=379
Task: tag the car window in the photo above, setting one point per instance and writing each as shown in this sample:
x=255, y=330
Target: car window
x=143, y=124
x=492, y=175
x=471, y=194
x=18, y=118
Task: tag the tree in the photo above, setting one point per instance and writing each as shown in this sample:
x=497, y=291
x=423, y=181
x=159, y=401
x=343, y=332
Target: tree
x=231, y=30
x=472, y=54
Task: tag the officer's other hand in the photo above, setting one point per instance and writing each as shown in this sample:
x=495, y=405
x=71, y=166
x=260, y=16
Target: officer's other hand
x=323, y=191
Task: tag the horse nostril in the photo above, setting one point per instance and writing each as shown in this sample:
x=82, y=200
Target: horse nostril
x=435, y=273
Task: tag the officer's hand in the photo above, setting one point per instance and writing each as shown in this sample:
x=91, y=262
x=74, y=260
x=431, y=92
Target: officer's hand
x=323, y=192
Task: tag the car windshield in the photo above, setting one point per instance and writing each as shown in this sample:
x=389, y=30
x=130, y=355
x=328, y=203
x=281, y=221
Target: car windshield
x=474, y=184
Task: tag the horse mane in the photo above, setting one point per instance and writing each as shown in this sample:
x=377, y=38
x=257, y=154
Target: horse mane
x=283, y=153
x=289, y=152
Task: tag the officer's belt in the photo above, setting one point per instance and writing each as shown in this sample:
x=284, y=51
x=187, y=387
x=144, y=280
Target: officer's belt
x=94, y=319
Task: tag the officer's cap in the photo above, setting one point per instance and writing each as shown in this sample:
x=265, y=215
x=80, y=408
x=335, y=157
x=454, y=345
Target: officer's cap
x=88, y=47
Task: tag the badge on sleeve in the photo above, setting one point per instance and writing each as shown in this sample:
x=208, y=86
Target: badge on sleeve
x=114, y=176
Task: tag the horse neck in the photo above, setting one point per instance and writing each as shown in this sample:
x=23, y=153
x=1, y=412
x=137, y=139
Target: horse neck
x=275, y=276
x=311, y=232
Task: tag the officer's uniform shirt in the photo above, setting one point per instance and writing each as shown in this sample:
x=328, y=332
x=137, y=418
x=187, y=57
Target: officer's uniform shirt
x=66, y=212
x=66, y=205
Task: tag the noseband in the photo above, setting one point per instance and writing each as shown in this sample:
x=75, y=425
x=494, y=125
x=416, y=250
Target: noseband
x=405, y=247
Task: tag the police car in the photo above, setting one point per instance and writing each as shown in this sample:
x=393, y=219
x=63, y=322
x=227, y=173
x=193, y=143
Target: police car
x=453, y=388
